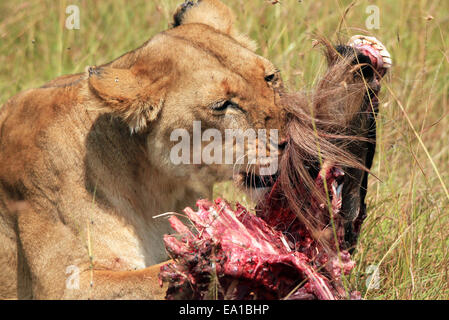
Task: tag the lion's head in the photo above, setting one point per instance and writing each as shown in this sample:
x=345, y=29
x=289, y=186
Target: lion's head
x=199, y=76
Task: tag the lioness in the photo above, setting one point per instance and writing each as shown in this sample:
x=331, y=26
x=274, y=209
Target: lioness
x=85, y=159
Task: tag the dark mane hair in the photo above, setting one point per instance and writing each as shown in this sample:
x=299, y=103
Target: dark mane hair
x=322, y=127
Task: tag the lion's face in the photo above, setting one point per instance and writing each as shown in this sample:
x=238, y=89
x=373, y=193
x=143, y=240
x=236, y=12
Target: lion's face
x=218, y=86
x=185, y=90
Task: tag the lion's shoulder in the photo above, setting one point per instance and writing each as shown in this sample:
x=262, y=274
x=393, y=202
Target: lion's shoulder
x=27, y=120
x=36, y=108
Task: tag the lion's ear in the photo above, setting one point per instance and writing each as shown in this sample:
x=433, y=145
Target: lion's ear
x=213, y=13
x=125, y=94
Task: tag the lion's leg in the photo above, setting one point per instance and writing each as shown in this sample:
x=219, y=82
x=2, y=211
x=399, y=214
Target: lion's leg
x=60, y=267
x=14, y=275
x=8, y=265
x=104, y=284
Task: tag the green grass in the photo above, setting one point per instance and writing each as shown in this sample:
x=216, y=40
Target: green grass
x=407, y=231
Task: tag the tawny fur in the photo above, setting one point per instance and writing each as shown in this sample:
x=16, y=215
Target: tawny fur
x=85, y=159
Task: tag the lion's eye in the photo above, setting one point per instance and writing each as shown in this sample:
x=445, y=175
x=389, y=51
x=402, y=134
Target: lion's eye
x=223, y=105
x=270, y=77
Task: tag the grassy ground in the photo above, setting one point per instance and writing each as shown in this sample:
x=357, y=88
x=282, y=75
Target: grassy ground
x=407, y=231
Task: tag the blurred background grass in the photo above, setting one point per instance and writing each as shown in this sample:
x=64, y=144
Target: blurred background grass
x=407, y=230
